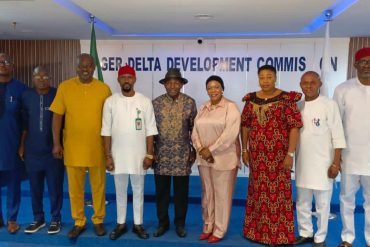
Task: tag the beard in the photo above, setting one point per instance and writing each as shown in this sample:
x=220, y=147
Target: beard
x=126, y=87
x=366, y=75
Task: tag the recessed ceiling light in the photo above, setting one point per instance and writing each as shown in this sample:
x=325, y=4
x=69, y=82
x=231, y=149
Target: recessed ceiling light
x=203, y=16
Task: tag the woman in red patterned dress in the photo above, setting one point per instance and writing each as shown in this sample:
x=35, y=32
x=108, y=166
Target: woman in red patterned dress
x=270, y=127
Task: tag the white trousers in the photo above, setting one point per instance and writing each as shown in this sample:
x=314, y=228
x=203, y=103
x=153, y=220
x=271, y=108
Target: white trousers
x=304, y=212
x=137, y=184
x=349, y=186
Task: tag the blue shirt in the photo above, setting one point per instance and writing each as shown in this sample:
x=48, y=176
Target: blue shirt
x=38, y=124
x=10, y=124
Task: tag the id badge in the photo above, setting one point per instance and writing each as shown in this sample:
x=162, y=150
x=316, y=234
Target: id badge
x=138, y=124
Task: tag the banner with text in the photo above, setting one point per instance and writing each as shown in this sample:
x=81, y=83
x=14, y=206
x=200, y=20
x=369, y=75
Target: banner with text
x=236, y=61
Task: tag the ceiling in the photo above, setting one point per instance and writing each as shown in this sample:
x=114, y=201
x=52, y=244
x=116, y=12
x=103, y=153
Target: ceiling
x=173, y=19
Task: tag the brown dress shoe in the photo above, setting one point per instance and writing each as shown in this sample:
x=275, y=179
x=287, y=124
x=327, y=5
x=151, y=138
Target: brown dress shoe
x=75, y=232
x=13, y=227
x=99, y=229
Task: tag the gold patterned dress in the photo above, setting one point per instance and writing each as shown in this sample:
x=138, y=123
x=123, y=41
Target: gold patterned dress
x=269, y=207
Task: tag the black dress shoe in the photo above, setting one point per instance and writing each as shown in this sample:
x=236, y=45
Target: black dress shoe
x=118, y=231
x=76, y=231
x=160, y=231
x=140, y=232
x=345, y=244
x=321, y=244
x=303, y=240
x=181, y=232
x=99, y=229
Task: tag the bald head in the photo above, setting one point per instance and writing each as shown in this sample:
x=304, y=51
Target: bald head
x=39, y=69
x=85, y=56
x=85, y=67
x=310, y=85
x=311, y=73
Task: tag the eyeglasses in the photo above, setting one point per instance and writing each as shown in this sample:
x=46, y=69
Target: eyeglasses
x=364, y=62
x=6, y=62
x=37, y=77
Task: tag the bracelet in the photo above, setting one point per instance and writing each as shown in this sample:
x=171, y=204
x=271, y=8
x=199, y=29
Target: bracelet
x=335, y=166
x=244, y=150
x=149, y=156
x=200, y=149
x=290, y=154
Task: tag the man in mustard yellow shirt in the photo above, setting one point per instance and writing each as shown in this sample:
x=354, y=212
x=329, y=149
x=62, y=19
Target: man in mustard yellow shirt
x=80, y=100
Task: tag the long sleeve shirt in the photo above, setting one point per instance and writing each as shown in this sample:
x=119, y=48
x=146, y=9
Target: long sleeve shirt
x=217, y=128
x=353, y=99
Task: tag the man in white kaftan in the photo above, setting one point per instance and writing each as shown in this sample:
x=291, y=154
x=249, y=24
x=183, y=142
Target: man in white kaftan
x=353, y=98
x=318, y=158
x=128, y=128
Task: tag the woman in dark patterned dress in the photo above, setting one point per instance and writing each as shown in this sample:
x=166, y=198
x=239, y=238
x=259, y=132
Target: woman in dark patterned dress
x=270, y=127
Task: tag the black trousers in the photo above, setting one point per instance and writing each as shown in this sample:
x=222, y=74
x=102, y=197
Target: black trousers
x=180, y=198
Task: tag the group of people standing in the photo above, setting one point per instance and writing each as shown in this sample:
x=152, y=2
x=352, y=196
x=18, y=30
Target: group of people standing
x=126, y=133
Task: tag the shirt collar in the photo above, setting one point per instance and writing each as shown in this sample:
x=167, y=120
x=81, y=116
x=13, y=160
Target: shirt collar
x=172, y=100
x=77, y=80
x=222, y=103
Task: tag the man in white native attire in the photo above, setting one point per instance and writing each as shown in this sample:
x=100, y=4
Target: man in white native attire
x=128, y=127
x=353, y=98
x=318, y=159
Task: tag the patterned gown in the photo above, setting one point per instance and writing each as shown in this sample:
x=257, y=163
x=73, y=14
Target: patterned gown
x=269, y=208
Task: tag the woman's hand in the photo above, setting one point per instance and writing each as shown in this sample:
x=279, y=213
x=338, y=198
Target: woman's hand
x=206, y=155
x=210, y=160
x=245, y=157
x=288, y=162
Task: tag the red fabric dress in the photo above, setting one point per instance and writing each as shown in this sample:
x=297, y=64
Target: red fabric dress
x=269, y=208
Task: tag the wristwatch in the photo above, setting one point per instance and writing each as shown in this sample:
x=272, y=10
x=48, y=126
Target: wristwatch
x=291, y=154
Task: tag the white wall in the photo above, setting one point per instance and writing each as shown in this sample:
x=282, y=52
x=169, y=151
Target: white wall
x=194, y=60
